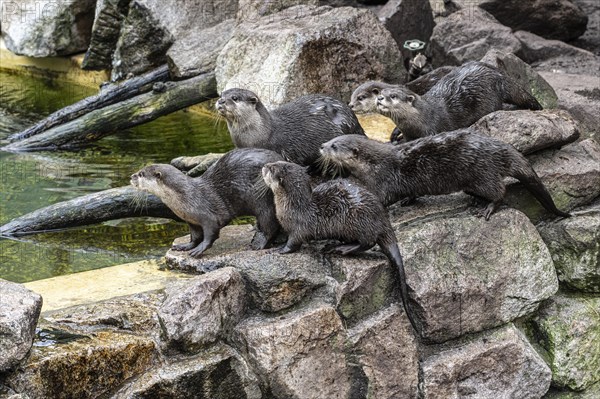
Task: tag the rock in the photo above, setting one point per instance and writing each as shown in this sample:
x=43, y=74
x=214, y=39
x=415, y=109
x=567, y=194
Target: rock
x=590, y=40
x=202, y=310
x=152, y=26
x=467, y=35
x=571, y=175
x=197, y=52
x=528, y=78
x=274, y=281
x=580, y=95
x=47, y=28
x=19, y=312
x=590, y=393
x=82, y=366
x=299, y=354
x=311, y=50
x=406, y=20
x=218, y=372
x=535, y=49
x=575, y=247
x=366, y=285
x=105, y=33
x=530, y=131
x=387, y=351
x=443, y=8
x=467, y=274
x=252, y=10
x=567, y=327
x=552, y=19
x=494, y=364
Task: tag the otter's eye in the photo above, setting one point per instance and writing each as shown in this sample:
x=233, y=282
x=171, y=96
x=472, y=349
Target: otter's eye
x=393, y=96
x=333, y=147
x=360, y=98
x=234, y=98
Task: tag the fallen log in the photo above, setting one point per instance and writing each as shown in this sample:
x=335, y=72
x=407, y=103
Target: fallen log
x=170, y=97
x=108, y=95
x=116, y=203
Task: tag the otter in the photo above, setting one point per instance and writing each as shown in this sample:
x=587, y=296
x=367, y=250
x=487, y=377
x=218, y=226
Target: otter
x=458, y=100
x=336, y=209
x=454, y=161
x=364, y=97
x=230, y=188
x=295, y=130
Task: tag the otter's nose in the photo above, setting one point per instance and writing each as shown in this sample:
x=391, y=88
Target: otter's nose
x=221, y=101
x=133, y=176
x=380, y=98
x=351, y=105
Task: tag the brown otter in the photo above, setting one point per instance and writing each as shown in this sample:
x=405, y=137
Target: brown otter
x=295, y=130
x=229, y=188
x=442, y=164
x=337, y=209
x=364, y=97
x=458, y=100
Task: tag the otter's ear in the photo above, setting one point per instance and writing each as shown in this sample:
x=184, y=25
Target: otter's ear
x=411, y=99
x=375, y=91
x=253, y=100
x=355, y=151
x=158, y=175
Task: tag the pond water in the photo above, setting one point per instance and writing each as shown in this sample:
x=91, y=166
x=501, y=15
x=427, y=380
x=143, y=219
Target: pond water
x=30, y=181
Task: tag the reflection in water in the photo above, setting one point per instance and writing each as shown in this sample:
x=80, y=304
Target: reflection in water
x=30, y=181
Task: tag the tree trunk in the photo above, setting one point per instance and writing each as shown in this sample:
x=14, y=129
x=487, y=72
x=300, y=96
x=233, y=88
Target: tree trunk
x=135, y=111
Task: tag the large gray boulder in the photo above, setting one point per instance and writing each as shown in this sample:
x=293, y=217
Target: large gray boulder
x=218, y=372
x=252, y=10
x=105, y=33
x=47, y=28
x=387, y=352
x=568, y=328
x=299, y=354
x=552, y=19
x=310, y=50
x=467, y=35
x=530, y=131
x=494, y=364
x=467, y=274
x=575, y=245
x=202, y=310
x=525, y=76
x=19, y=312
x=535, y=49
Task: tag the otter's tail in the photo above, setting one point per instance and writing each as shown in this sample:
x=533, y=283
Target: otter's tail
x=523, y=171
x=389, y=246
x=520, y=97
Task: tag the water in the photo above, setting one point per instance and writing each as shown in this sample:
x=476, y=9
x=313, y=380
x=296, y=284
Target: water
x=33, y=180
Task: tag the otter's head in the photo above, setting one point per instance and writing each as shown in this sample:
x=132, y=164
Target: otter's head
x=397, y=102
x=236, y=104
x=358, y=154
x=285, y=176
x=154, y=178
x=364, y=98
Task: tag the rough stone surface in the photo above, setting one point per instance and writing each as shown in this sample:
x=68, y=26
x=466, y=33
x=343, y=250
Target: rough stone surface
x=199, y=311
x=300, y=354
x=217, y=373
x=366, y=284
x=536, y=48
x=47, y=28
x=571, y=175
x=385, y=348
x=310, y=50
x=152, y=26
x=406, y=20
x=275, y=282
x=82, y=367
x=580, y=95
x=252, y=10
x=197, y=52
x=19, y=312
x=467, y=274
x=575, y=247
x=134, y=313
x=530, y=131
x=568, y=328
x=105, y=33
x=590, y=393
x=552, y=19
x=495, y=364
x=467, y=35
x=526, y=76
